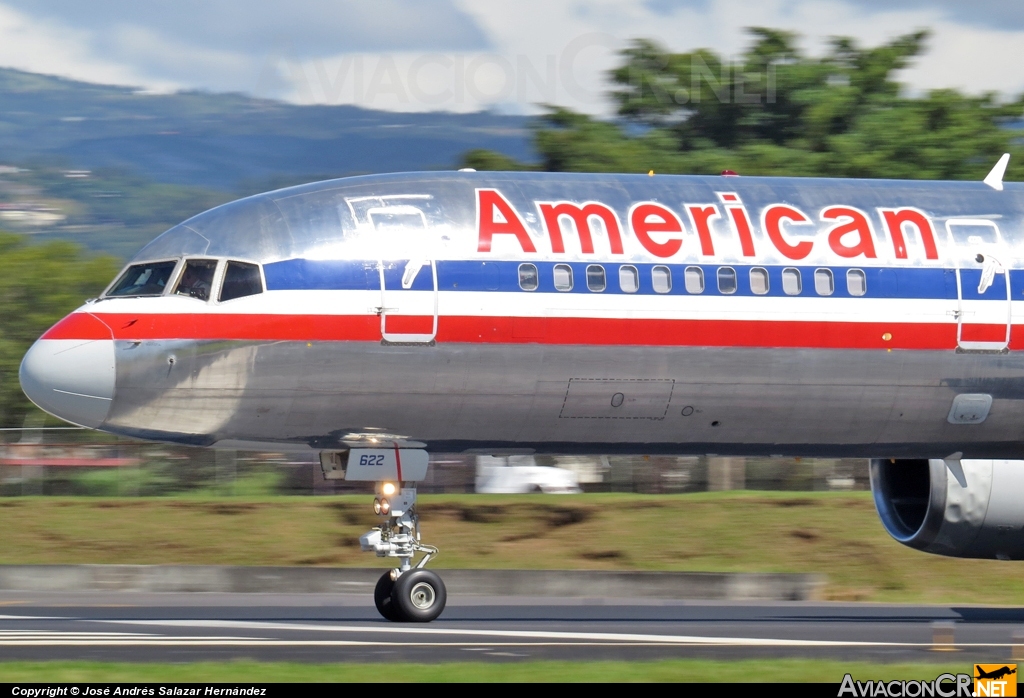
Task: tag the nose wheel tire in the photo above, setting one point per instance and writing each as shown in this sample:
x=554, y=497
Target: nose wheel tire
x=418, y=596
x=382, y=597
x=409, y=594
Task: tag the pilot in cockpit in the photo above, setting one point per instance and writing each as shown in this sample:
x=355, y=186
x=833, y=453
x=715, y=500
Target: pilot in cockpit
x=197, y=279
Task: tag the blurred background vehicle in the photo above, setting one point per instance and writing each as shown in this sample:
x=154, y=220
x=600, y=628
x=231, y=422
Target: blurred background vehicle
x=521, y=474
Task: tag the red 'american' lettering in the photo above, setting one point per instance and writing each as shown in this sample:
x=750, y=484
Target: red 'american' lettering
x=896, y=219
x=771, y=221
x=649, y=217
x=495, y=216
x=851, y=222
x=701, y=216
x=740, y=221
x=580, y=216
x=660, y=231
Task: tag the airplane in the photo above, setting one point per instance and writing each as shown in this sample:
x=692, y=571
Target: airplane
x=375, y=319
x=994, y=674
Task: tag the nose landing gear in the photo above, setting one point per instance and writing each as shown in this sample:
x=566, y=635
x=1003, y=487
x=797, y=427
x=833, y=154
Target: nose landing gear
x=409, y=593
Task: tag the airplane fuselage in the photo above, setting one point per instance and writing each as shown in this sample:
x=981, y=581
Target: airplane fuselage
x=567, y=313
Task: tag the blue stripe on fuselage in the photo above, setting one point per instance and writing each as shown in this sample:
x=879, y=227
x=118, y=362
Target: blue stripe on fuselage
x=321, y=275
x=472, y=275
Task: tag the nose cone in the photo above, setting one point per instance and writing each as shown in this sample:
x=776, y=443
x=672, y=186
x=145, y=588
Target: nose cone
x=69, y=372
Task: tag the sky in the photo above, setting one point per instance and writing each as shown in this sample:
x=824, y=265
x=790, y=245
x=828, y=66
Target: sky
x=468, y=55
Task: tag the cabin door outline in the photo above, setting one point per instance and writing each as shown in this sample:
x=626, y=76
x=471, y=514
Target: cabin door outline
x=408, y=274
x=404, y=245
x=982, y=284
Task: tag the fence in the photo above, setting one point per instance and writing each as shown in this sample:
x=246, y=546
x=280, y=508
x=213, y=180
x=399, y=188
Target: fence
x=69, y=462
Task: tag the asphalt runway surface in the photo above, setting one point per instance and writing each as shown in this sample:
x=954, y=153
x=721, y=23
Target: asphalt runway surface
x=187, y=627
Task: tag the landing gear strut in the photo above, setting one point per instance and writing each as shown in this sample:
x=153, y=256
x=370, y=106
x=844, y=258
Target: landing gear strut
x=409, y=593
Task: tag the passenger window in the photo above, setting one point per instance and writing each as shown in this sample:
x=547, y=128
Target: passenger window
x=563, y=277
x=693, y=278
x=529, y=279
x=759, y=281
x=197, y=279
x=241, y=279
x=661, y=277
x=144, y=279
x=596, y=281
x=629, y=279
x=726, y=280
x=823, y=282
x=856, y=282
x=791, y=285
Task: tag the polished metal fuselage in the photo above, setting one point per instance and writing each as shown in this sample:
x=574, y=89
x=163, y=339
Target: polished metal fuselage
x=510, y=399
x=550, y=395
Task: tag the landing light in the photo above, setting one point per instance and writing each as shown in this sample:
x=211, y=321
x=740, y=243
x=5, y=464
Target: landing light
x=388, y=488
x=376, y=506
x=385, y=506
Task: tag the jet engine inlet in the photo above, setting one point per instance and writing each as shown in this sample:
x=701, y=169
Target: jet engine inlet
x=902, y=492
x=953, y=507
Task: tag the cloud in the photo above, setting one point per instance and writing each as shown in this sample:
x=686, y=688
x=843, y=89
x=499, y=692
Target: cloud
x=466, y=55
x=996, y=14
x=312, y=27
x=215, y=44
x=993, y=14
x=26, y=43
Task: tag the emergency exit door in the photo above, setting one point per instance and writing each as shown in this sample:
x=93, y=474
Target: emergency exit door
x=983, y=284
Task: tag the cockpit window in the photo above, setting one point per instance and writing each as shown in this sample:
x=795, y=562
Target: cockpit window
x=197, y=279
x=241, y=279
x=149, y=279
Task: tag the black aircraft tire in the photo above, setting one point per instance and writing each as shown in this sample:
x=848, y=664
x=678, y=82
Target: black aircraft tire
x=382, y=598
x=419, y=596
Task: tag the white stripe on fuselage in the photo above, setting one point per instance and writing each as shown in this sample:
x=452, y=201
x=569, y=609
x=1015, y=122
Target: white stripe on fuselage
x=596, y=305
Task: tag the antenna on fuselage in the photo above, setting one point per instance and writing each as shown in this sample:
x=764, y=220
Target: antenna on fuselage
x=995, y=177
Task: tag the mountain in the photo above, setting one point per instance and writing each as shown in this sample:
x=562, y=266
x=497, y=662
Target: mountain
x=230, y=141
x=112, y=167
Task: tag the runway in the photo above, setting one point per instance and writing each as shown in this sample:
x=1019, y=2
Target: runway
x=346, y=628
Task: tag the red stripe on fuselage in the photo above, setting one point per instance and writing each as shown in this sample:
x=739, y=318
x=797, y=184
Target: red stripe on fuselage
x=506, y=330
x=409, y=324
x=237, y=327
x=79, y=326
x=983, y=333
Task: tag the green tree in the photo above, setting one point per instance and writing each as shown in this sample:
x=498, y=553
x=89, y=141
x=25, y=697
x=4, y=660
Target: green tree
x=776, y=111
x=39, y=284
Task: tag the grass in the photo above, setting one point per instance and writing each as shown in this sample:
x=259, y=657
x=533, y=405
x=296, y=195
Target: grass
x=836, y=534
x=686, y=670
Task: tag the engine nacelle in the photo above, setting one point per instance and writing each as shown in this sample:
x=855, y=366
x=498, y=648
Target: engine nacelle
x=959, y=508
